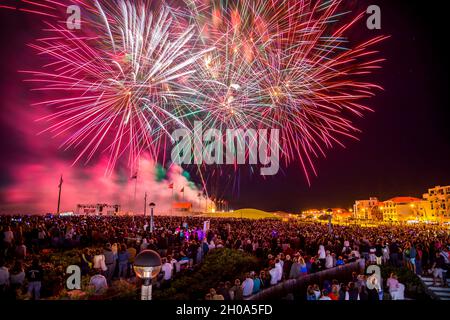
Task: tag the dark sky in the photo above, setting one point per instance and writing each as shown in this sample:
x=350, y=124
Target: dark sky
x=403, y=149
x=405, y=145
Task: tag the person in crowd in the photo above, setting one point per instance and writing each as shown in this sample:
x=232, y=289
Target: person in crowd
x=392, y=283
x=99, y=283
x=279, y=267
x=257, y=283
x=86, y=261
x=412, y=256
x=303, y=267
x=167, y=270
x=322, y=255
x=276, y=244
x=287, y=264
x=213, y=295
x=445, y=253
x=294, y=273
x=132, y=252
x=110, y=259
x=98, y=262
x=394, y=251
x=17, y=277
x=8, y=237
x=419, y=256
x=343, y=293
x=399, y=294
x=353, y=292
x=265, y=278
x=334, y=294
x=247, y=285
x=236, y=292
x=317, y=291
x=273, y=275
x=4, y=279
x=379, y=253
x=438, y=269
x=329, y=261
x=386, y=253
x=372, y=254
x=324, y=295
x=123, y=257
x=20, y=251
x=310, y=294
x=224, y=290
x=34, y=277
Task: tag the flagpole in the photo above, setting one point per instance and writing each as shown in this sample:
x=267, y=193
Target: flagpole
x=145, y=204
x=135, y=176
x=135, y=186
x=59, y=193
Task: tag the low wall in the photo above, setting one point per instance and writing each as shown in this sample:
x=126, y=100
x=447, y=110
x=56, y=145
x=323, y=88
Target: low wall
x=300, y=284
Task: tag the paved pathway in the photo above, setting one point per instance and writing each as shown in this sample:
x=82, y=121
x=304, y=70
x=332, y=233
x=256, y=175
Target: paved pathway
x=440, y=292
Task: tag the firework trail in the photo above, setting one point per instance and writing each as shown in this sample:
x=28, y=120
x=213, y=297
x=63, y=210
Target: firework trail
x=284, y=64
x=120, y=83
x=143, y=68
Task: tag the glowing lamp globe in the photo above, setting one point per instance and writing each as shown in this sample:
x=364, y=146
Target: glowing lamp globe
x=147, y=264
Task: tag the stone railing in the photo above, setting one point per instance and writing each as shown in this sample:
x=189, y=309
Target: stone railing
x=300, y=284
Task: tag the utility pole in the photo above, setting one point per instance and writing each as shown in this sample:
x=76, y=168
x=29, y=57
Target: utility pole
x=145, y=204
x=59, y=193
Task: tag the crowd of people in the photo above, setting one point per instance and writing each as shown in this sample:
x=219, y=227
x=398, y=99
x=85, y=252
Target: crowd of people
x=357, y=289
x=285, y=250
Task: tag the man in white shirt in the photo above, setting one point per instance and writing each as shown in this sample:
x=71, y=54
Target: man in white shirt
x=279, y=268
x=273, y=276
x=167, y=269
x=247, y=285
x=329, y=263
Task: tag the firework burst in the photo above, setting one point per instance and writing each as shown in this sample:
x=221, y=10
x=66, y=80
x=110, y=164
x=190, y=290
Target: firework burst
x=284, y=64
x=140, y=69
x=123, y=80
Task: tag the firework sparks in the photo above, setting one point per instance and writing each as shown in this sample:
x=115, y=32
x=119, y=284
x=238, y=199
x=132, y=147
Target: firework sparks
x=280, y=64
x=125, y=82
x=140, y=70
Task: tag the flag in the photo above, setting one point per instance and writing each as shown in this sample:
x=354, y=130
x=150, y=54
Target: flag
x=171, y=185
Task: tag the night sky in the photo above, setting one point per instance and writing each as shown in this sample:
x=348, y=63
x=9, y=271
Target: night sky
x=403, y=148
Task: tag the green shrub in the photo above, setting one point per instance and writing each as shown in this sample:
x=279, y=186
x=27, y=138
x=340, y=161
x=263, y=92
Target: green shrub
x=220, y=265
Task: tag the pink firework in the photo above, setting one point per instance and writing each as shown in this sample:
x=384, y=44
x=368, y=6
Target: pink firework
x=139, y=69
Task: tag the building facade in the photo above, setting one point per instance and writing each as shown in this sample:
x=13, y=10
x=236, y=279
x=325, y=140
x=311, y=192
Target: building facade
x=401, y=209
x=439, y=203
x=98, y=209
x=434, y=207
x=366, y=209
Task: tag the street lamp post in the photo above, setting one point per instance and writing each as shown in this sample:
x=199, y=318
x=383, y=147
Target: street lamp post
x=147, y=266
x=330, y=216
x=151, y=205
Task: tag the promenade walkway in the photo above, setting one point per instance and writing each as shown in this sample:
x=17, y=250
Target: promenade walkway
x=440, y=293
